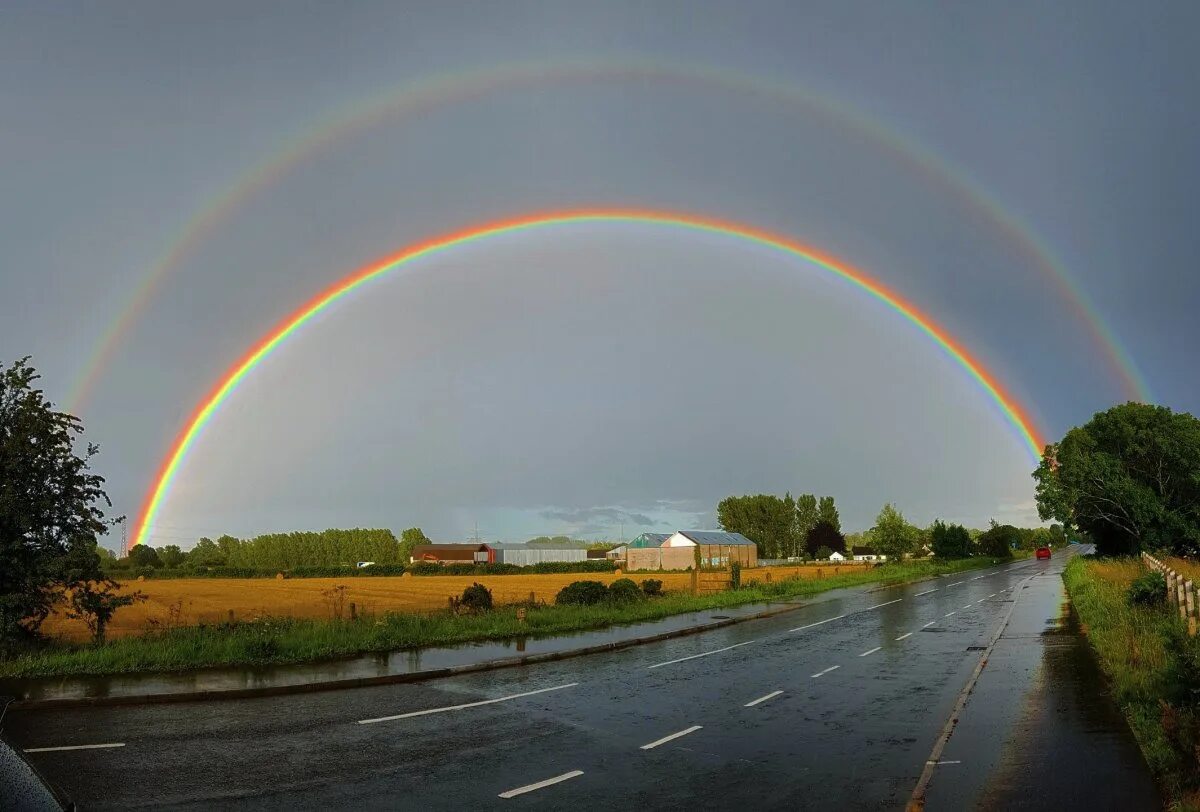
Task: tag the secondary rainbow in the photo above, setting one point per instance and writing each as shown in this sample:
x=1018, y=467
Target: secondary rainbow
x=412, y=100
x=273, y=339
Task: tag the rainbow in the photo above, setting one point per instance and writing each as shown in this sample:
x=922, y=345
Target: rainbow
x=344, y=287
x=440, y=91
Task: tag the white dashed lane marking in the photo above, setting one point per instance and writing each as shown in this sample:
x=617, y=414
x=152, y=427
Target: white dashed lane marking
x=449, y=708
x=672, y=737
x=818, y=623
x=826, y=671
x=901, y=637
x=870, y=651
x=703, y=654
x=558, y=779
x=754, y=702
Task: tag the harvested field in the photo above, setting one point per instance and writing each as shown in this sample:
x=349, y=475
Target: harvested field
x=192, y=601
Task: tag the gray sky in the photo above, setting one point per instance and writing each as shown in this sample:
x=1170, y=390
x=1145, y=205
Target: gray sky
x=586, y=379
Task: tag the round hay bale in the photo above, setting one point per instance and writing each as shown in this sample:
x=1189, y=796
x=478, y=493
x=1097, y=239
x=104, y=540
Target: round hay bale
x=279, y=576
x=141, y=578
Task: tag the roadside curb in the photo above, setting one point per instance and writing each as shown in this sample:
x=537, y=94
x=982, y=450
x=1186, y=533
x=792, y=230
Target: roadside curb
x=389, y=679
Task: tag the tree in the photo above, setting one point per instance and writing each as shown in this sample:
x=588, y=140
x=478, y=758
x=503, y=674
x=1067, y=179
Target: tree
x=892, y=535
x=827, y=512
x=95, y=602
x=140, y=555
x=824, y=535
x=205, y=554
x=949, y=540
x=764, y=519
x=51, y=506
x=807, y=514
x=171, y=556
x=999, y=540
x=409, y=539
x=1129, y=478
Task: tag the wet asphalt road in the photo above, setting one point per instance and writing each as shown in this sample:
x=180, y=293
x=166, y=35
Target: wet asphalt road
x=837, y=704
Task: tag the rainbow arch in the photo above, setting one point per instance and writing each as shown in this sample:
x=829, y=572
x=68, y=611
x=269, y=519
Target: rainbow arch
x=442, y=90
x=192, y=429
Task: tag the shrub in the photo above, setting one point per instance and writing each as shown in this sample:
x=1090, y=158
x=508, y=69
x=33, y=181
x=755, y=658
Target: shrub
x=477, y=598
x=624, y=590
x=1149, y=589
x=735, y=574
x=652, y=587
x=582, y=593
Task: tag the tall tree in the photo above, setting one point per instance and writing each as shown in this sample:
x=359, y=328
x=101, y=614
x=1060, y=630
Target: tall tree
x=827, y=512
x=1129, y=478
x=999, y=540
x=409, y=539
x=141, y=555
x=764, y=519
x=892, y=535
x=807, y=514
x=51, y=507
x=825, y=536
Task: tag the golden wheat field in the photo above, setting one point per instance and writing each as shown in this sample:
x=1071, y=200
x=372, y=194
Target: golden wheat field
x=190, y=601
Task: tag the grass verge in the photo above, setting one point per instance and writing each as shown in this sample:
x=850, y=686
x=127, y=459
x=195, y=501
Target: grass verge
x=1151, y=664
x=286, y=640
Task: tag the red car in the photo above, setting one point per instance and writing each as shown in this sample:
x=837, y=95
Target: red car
x=1042, y=552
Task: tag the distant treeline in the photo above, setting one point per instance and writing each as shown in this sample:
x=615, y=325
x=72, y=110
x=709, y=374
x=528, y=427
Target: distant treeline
x=420, y=568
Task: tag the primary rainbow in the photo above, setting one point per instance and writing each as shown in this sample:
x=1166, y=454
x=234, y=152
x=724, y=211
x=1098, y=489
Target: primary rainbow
x=273, y=339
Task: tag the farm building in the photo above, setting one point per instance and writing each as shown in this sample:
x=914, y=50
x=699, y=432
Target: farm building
x=867, y=554
x=837, y=556
x=449, y=553
x=617, y=553
x=523, y=555
x=677, y=551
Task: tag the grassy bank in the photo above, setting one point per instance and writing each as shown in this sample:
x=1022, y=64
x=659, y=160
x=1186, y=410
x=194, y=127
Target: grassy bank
x=278, y=641
x=1152, y=666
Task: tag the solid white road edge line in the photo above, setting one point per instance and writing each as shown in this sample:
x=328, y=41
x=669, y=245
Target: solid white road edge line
x=901, y=637
x=754, y=702
x=512, y=793
x=73, y=747
x=703, y=654
x=666, y=739
x=870, y=651
x=818, y=623
x=826, y=671
x=447, y=708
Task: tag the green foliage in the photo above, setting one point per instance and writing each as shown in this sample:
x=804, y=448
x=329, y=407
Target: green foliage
x=206, y=553
x=652, y=587
x=50, y=507
x=735, y=574
x=892, y=535
x=624, y=590
x=557, y=542
x=1149, y=589
x=822, y=553
x=542, y=567
x=140, y=555
x=1129, y=478
x=582, y=593
x=95, y=602
x=827, y=512
x=171, y=556
x=477, y=598
x=283, y=551
x=768, y=521
x=949, y=540
x=824, y=535
x=409, y=539
x=807, y=515
x=998, y=541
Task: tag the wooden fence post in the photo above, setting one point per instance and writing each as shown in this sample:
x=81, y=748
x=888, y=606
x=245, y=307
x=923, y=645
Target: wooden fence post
x=1190, y=594
x=1180, y=598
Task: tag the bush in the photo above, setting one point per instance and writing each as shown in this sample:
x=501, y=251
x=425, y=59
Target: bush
x=735, y=574
x=582, y=593
x=624, y=590
x=477, y=598
x=1148, y=590
x=652, y=587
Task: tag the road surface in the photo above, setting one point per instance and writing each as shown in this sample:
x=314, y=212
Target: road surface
x=835, y=705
